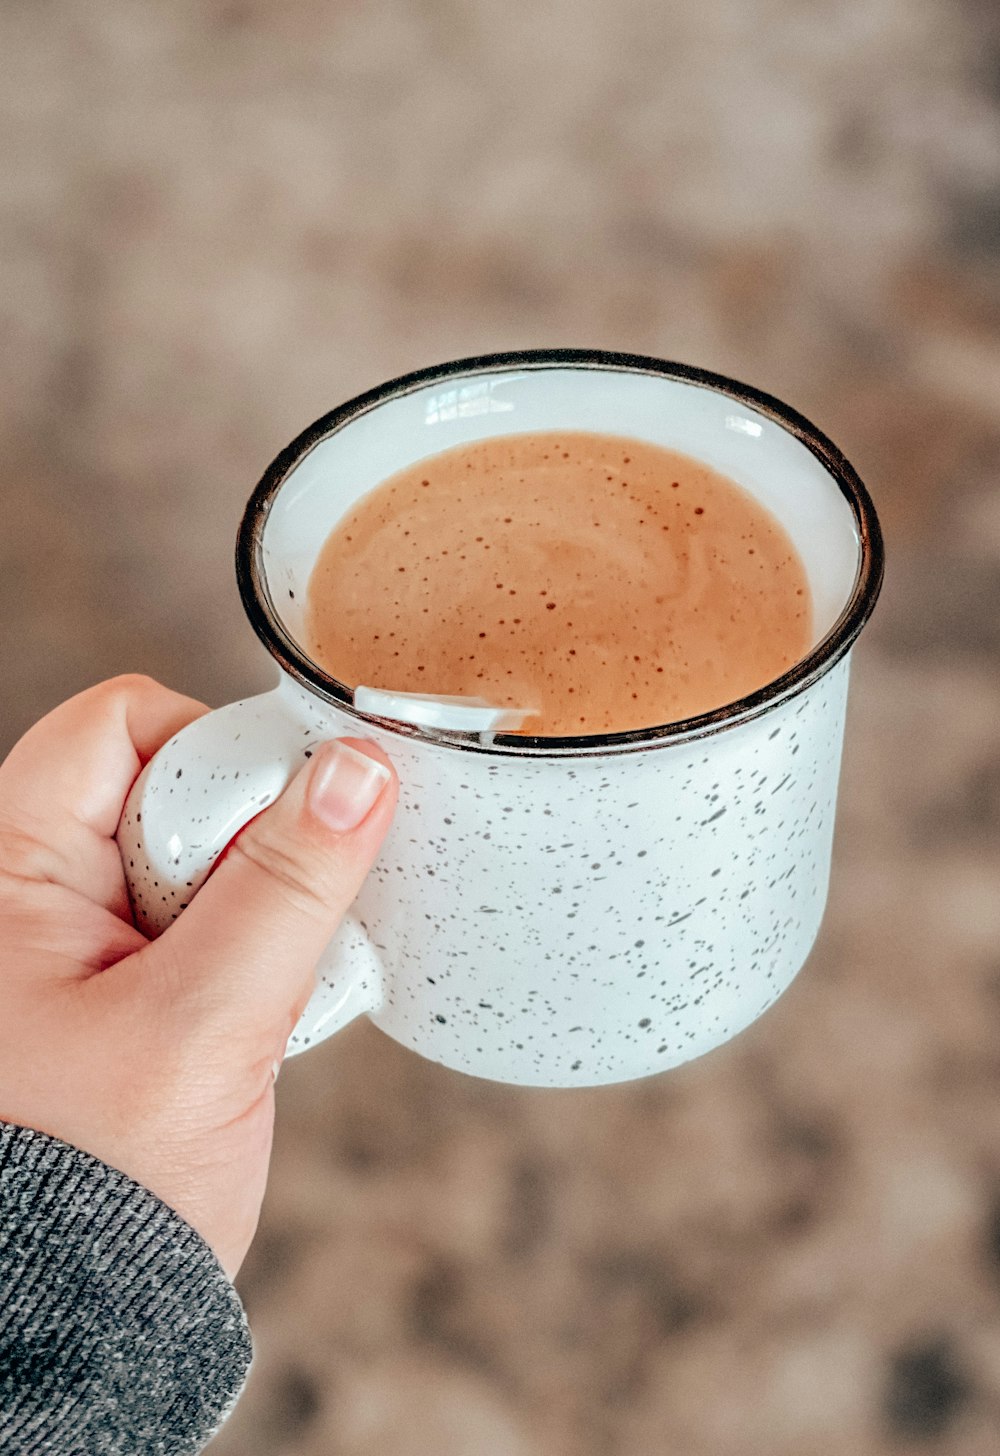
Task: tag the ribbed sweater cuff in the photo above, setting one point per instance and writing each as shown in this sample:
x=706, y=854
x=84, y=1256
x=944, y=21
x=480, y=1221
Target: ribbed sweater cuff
x=119, y=1331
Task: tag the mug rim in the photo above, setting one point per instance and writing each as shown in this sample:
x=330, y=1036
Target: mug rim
x=835, y=644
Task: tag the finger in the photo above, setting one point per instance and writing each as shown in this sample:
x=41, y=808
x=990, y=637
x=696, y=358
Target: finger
x=62, y=786
x=245, y=950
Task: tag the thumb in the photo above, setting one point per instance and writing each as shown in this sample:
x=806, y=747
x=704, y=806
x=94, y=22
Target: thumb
x=248, y=944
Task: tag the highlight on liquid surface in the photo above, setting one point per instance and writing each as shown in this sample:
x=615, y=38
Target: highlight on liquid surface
x=609, y=583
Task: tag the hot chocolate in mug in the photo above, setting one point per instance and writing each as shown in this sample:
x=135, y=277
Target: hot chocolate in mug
x=557, y=912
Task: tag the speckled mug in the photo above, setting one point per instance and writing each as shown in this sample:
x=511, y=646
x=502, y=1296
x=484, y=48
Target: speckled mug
x=551, y=911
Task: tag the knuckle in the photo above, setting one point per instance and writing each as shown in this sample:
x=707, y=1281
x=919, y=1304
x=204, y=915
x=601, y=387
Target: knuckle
x=296, y=875
x=111, y=697
x=128, y=684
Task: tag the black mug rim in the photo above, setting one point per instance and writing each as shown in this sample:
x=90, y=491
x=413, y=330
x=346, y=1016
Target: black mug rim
x=252, y=579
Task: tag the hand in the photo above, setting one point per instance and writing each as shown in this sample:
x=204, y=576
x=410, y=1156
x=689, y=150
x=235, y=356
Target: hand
x=159, y=1057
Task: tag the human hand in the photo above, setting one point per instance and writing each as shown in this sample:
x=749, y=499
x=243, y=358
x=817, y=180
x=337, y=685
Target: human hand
x=159, y=1057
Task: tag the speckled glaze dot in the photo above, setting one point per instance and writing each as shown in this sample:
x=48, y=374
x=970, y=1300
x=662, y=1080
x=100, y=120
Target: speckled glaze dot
x=547, y=912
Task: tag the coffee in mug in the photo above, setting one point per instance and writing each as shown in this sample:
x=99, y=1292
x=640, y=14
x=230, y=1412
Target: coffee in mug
x=610, y=583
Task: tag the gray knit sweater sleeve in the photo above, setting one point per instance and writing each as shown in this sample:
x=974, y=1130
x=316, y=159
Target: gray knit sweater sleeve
x=120, y=1335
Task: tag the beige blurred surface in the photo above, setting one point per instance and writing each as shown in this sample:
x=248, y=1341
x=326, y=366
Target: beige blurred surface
x=219, y=218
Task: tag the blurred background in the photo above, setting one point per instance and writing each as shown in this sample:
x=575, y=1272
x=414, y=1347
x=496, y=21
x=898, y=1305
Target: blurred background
x=218, y=219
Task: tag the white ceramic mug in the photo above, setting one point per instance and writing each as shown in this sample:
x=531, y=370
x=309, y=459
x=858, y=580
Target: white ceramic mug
x=555, y=912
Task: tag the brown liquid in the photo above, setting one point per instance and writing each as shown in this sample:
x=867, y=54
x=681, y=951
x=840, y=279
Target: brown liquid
x=609, y=583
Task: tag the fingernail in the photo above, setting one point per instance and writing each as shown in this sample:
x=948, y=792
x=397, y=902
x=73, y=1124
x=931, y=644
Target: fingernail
x=345, y=785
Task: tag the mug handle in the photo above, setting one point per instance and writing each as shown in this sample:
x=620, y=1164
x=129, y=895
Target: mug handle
x=189, y=802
